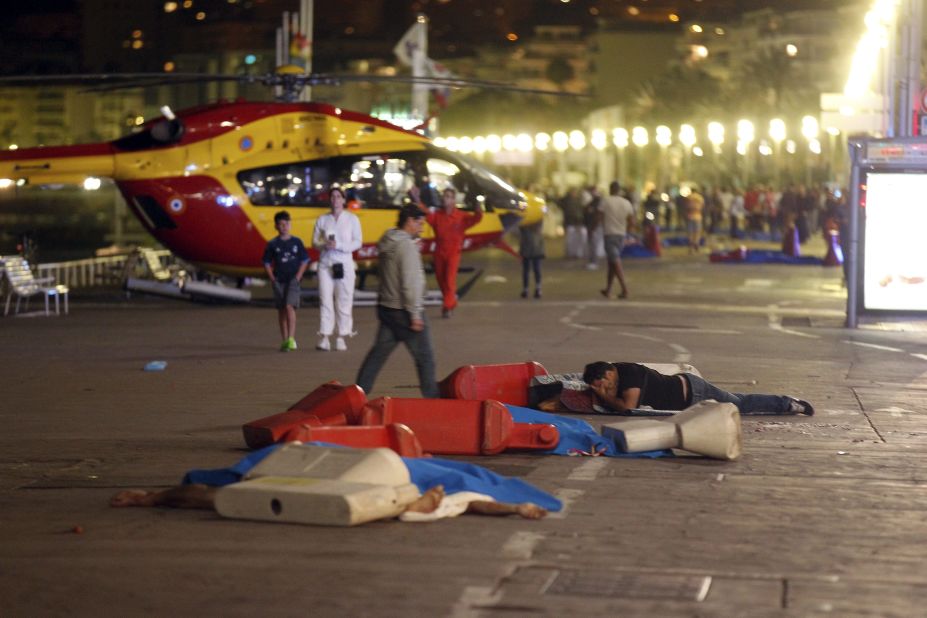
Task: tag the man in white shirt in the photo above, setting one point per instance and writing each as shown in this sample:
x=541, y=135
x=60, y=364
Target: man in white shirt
x=617, y=214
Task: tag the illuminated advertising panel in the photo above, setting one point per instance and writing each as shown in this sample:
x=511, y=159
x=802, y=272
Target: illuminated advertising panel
x=895, y=261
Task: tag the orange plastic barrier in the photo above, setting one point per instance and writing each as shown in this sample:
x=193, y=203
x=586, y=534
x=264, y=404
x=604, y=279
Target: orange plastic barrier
x=329, y=404
x=394, y=436
x=507, y=383
x=460, y=427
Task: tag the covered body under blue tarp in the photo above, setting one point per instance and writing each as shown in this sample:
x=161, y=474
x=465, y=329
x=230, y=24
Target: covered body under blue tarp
x=577, y=437
x=455, y=476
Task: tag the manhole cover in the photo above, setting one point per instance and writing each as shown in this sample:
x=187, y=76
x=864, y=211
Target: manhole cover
x=629, y=585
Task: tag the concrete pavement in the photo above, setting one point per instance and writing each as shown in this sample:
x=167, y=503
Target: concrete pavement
x=822, y=516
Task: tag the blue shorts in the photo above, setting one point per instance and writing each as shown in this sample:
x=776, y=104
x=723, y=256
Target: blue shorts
x=614, y=243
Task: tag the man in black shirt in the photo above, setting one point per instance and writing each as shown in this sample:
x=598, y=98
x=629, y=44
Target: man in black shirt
x=624, y=386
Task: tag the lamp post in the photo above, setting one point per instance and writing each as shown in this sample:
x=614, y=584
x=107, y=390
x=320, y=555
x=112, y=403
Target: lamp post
x=687, y=139
x=663, y=136
x=561, y=143
x=716, y=137
x=620, y=139
x=810, y=129
x=640, y=138
x=777, y=133
x=745, y=136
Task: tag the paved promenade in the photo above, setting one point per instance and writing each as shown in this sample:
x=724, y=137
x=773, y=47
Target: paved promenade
x=824, y=515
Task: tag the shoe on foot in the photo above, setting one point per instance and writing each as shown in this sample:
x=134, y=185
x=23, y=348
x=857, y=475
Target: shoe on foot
x=447, y=313
x=623, y=294
x=291, y=344
x=324, y=344
x=592, y=266
x=537, y=293
x=606, y=294
x=800, y=406
x=285, y=345
x=524, y=293
x=340, y=345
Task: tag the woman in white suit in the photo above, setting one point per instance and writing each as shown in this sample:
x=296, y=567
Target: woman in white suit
x=336, y=235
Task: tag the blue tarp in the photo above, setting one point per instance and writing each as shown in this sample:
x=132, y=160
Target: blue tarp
x=758, y=256
x=576, y=435
x=455, y=476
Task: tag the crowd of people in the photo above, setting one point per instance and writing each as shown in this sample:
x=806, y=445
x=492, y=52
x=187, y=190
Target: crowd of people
x=698, y=210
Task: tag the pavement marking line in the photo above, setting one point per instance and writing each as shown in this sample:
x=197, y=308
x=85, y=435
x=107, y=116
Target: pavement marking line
x=682, y=354
x=588, y=470
x=874, y=346
x=920, y=356
x=472, y=601
x=520, y=546
x=567, y=497
x=689, y=307
x=775, y=323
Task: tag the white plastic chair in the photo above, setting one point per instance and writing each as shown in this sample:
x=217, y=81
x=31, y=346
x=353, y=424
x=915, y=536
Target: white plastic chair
x=23, y=284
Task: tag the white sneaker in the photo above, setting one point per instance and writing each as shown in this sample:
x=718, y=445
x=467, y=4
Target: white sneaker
x=323, y=344
x=340, y=345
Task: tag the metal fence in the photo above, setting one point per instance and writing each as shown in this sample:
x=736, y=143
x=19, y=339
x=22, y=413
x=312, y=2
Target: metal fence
x=109, y=270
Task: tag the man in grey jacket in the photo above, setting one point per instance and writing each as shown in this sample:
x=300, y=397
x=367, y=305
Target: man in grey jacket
x=400, y=304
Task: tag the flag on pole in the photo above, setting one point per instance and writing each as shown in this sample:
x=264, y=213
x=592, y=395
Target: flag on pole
x=441, y=93
x=411, y=44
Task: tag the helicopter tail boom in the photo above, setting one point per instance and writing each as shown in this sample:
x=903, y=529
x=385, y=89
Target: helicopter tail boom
x=58, y=164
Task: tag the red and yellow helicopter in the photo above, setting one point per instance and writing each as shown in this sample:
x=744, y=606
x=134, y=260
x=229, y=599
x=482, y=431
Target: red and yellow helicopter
x=206, y=181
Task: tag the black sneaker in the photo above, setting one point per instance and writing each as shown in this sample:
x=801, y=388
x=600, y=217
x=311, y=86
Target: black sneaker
x=800, y=406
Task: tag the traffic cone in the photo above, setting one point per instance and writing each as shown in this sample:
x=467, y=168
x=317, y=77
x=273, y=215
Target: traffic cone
x=790, y=243
x=834, y=255
x=652, y=239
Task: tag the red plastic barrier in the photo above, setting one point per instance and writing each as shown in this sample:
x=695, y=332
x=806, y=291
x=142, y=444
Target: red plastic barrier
x=507, y=383
x=790, y=243
x=394, y=436
x=329, y=404
x=460, y=427
x=735, y=255
x=652, y=240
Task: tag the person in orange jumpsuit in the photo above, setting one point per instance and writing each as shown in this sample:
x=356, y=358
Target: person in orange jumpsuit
x=450, y=226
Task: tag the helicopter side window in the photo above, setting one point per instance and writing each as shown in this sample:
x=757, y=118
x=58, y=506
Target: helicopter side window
x=300, y=184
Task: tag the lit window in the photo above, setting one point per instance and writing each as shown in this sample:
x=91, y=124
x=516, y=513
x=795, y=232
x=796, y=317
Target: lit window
x=512, y=36
x=169, y=66
x=719, y=31
x=170, y=7
x=136, y=34
x=136, y=44
x=187, y=4
x=695, y=28
x=633, y=10
x=673, y=17
x=200, y=16
x=791, y=50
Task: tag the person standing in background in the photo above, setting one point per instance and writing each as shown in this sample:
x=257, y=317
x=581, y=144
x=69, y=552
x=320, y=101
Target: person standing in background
x=285, y=260
x=450, y=225
x=531, y=250
x=337, y=235
x=617, y=215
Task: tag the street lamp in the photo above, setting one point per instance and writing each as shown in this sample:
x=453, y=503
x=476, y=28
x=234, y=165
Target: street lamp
x=716, y=137
x=810, y=129
x=620, y=139
x=687, y=139
x=561, y=143
x=778, y=134
x=745, y=136
x=640, y=138
x=577, y=139
x=663, y=136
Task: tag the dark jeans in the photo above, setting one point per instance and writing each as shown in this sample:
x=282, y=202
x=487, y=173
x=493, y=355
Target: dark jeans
x=394, y=328
x=700, y=390
x=527, y=265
